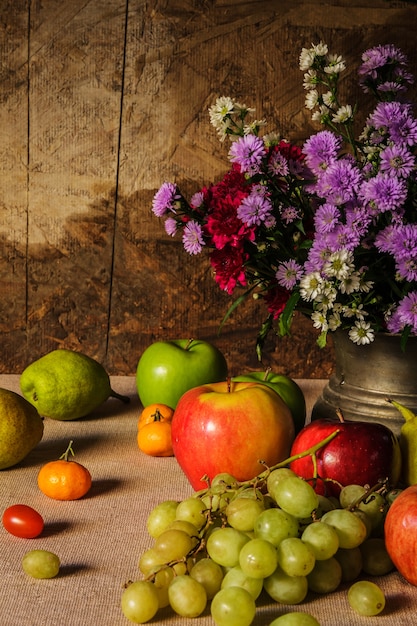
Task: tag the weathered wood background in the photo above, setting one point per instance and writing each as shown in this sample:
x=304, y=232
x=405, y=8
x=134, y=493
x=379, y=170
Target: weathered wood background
x=103, y=100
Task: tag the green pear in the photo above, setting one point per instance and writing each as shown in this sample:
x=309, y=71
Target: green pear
x=21, y=428
x=66, y=385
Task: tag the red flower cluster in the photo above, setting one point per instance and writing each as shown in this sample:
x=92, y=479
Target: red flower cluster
x=227, y=233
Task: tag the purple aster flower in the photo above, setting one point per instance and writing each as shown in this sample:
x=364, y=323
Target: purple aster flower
x=165, y=198
x=278, y=165
x=385, y=239
x=384, y=193
x=405, y=314
x=321, y=150
x=289, y=214
x=318, y=255
x=395, y=119
x=248, y=152
x=404, y=244
x=397, y=161
x=288, y=273
x=170, y=226
x=197, y=200
x=255, y=208
x=192, y=238
x=407, y=268
x=343, y=236
x=338, y=184
x=326, y=217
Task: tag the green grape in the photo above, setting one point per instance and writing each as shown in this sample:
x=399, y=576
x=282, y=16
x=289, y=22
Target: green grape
x=235, y=577
x=326, y=504
x=375, y=558
x=140, y=601
x=216, y=502
x=350, y=560
x=295, y=557
x=350, y=494
x=224, y=545
x=286, y=589
x=233, y=606
x=274, y=525
x=366, y=598
x=187, y=527
x=350, y=529
x=277, y=476
x=150, y=561
x=322, y=540
x=187, y=596
x=392, y=495
x=222, y=482
x=41, y=564
x=325, y=577
x=161, y=582
x=295, y=619
x=365, y=519
x=209, y=574
x=192, y=510
x=173, y=545
x=242, y=512
x=258, y=558
x=160, y=518
x=374, y=506
x=295, y=496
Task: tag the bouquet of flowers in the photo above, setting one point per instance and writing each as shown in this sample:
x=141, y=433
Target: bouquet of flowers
x=328, y=229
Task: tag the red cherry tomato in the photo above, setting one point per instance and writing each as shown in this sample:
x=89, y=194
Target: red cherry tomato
x=21, y=520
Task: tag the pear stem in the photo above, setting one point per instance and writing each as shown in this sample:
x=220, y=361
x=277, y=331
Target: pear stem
x=118, y=396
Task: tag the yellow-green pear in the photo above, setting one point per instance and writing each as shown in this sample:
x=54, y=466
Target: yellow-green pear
x=66, y=385
x=21, y=428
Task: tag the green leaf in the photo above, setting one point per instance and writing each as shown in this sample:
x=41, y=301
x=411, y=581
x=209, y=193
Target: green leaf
x=232, y=307
x=322, y=339
x=285, y=319
x=262, y=335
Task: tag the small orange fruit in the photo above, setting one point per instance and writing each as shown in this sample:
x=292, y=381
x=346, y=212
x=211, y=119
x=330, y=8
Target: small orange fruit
x=155, y=439
x=155, y=412
x=63, y=479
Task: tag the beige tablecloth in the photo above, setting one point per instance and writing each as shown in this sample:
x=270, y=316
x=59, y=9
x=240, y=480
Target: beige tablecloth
x=99, y=539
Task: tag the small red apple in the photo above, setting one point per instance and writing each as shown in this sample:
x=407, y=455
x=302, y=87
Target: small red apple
x=361, y=453
x=400, y=531
x=230, y=427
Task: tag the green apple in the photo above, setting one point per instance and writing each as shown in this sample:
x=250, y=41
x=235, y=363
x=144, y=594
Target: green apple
x=167, y=369
x=284, y=386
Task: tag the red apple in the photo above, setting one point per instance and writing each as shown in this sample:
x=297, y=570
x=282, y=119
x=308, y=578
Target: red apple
x=230, y=427
x=361, y=453
x=400, y=530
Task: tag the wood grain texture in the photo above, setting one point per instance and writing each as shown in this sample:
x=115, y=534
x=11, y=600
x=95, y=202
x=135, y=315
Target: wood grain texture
x=103, y=100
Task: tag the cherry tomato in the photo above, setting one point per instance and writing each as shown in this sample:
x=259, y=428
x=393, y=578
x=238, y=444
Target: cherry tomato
x=21, y=520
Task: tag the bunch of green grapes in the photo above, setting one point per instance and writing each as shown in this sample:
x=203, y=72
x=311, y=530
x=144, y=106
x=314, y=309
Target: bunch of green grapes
x=225, y=545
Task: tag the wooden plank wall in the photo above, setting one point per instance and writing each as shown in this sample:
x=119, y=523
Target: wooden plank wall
x=103, y=100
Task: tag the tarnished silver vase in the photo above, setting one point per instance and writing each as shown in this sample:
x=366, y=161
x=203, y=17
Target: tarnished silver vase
x=365, y=376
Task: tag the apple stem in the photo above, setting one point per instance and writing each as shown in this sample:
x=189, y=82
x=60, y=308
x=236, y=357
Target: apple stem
x=267, y=372
x=189, y=342
x=229, y=384
x=340, y=415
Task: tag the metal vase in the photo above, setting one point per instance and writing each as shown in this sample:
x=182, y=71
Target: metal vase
x=365, y=376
